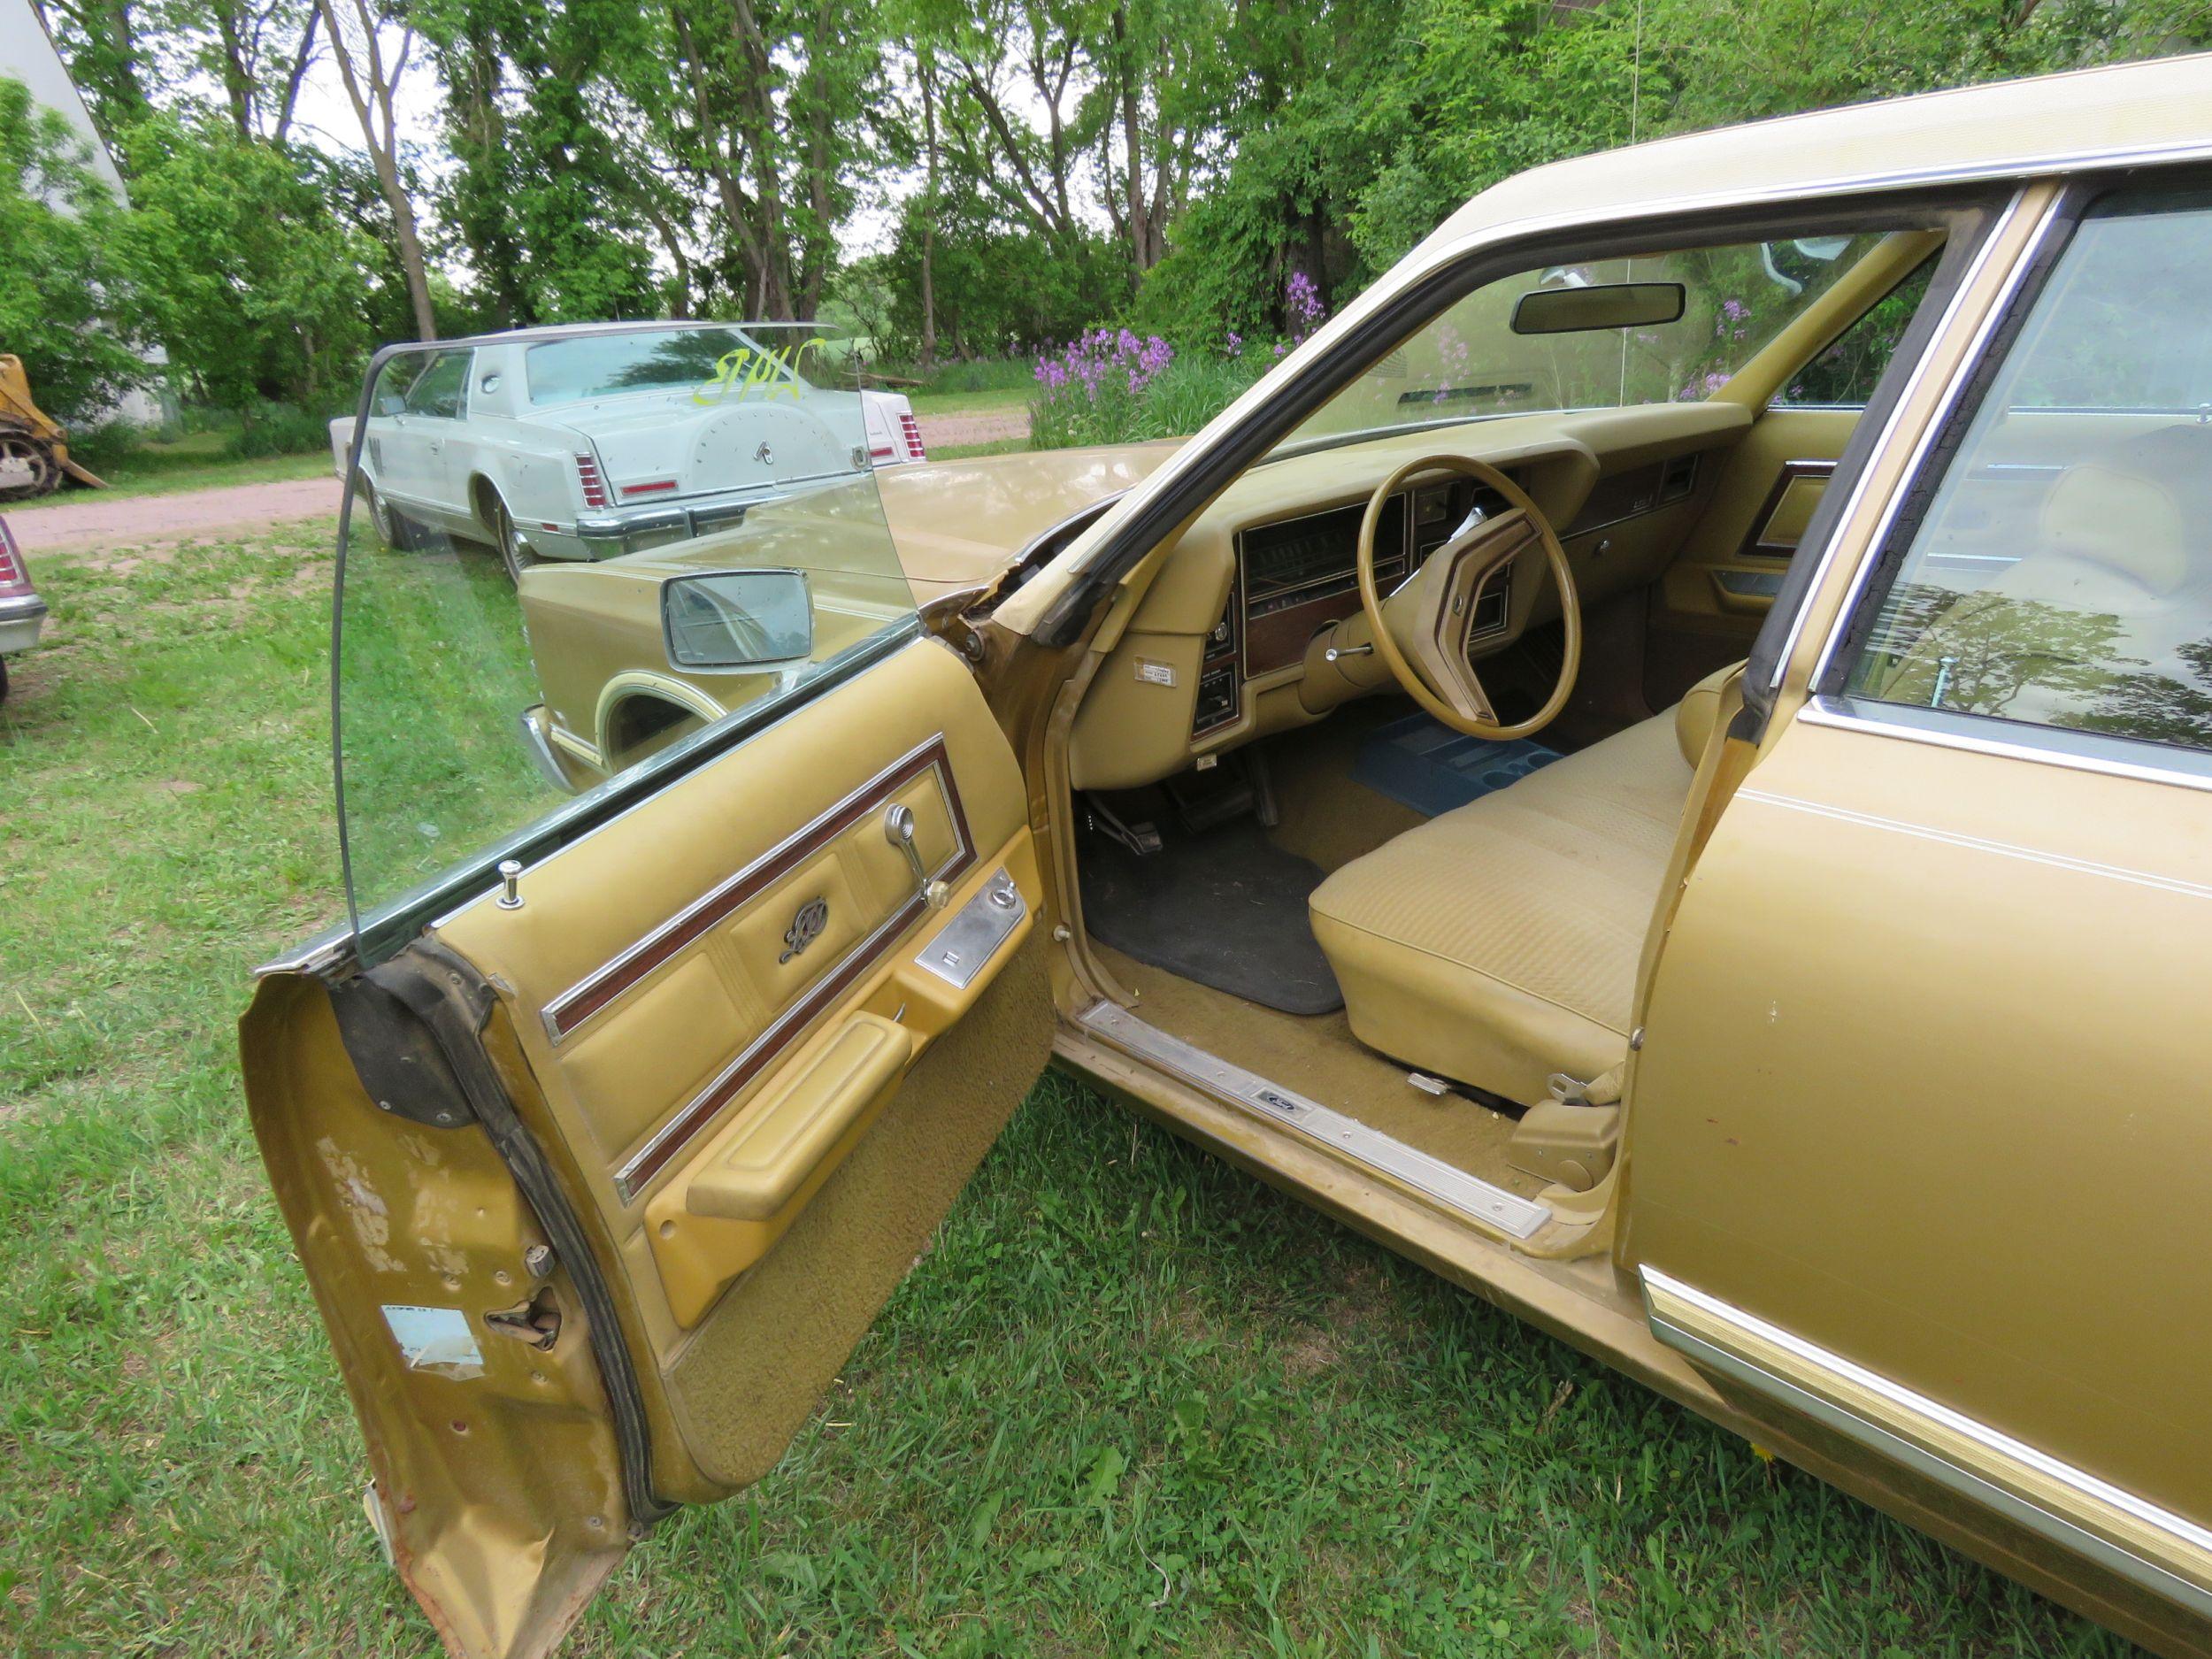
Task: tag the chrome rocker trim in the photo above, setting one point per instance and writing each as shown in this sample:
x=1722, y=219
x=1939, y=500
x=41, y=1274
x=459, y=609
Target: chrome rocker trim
x=2102, y=1516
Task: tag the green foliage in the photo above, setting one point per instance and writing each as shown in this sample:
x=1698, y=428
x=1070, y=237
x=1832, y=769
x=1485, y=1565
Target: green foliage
x=267, y=429
x=68, y=304
x=999, y=287
x=1117, y=406
x=249, y=280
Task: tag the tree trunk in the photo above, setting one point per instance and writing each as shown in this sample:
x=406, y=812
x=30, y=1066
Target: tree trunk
x=410, y=260
x=369, y=89
x=237, y=79
x=927, y=70
x=1141, y=257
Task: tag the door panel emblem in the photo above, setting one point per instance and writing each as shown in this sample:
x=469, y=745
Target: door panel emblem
x=805, y=928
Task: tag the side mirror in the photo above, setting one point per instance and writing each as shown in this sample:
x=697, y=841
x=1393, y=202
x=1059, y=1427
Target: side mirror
x=1601, y=305
x=390, y=403
x=726, y=621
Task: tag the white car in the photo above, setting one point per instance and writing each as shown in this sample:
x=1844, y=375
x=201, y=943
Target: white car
x=581, y=442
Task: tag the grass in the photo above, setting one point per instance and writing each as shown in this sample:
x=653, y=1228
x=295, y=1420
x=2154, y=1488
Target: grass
x=974, y=451
x=164, y=471
x=1132, y=1401
x=986, y=403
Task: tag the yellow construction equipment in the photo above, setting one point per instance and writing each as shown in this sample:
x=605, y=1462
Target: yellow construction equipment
x=33, y=449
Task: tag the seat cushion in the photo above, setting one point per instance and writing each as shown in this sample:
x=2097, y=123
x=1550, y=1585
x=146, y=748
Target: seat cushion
x=1499, y=943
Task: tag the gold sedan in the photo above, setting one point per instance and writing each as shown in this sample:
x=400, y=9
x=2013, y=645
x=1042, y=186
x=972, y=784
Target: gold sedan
x=1661, y=765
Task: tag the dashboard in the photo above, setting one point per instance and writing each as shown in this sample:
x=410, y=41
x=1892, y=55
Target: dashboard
x=1229, y=639
x=1295, y=576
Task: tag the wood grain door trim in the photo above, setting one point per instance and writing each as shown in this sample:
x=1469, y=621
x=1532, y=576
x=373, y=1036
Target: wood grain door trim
x=599, y=989
x=1756, y=544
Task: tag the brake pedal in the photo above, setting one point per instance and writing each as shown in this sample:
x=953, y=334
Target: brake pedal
x=1140, y=839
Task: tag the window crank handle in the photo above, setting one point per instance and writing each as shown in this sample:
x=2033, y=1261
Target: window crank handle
x=898, y=829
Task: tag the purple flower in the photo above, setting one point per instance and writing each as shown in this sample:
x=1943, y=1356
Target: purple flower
x=1236, y=344
x=1302, y=304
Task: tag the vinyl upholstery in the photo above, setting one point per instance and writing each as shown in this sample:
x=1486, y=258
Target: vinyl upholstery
x=1498, y=943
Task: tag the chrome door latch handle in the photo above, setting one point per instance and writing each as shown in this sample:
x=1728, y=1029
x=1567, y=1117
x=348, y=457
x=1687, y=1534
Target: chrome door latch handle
x=898, y=829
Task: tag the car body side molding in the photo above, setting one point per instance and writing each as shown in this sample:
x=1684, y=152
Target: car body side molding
x=2160, y=1551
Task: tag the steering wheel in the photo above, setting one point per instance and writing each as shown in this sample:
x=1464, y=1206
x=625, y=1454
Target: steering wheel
x=1420, y=630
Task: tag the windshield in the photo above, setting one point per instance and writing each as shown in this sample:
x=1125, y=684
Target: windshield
x=1550, y=338
x=534, y=613
x=703, y=360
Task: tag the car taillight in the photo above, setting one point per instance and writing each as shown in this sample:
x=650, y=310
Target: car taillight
x=13, y=573
x=594, y=487
x=652, y=486
x=911, y=430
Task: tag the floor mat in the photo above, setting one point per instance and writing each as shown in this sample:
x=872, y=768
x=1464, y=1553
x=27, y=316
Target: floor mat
x=1226, y=909
x=1422, y=763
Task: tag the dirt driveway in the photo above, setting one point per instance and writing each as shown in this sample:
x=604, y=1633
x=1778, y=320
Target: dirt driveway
x=91, y=518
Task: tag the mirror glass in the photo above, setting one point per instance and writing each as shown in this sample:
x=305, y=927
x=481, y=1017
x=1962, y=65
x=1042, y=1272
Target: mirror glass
x=737, y=619
x=1570, y=310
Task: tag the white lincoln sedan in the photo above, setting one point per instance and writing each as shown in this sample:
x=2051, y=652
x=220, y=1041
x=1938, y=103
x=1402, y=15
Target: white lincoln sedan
x=581, y=442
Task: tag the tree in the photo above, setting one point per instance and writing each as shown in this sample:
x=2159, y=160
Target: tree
x=66, y=303
x=108, y=62
x=258, y=51
x=372, y=77
x=248, y=278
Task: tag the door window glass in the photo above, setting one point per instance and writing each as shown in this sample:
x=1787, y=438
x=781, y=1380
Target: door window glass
x=634, y=578
x=2061, y=574
x=438, y=389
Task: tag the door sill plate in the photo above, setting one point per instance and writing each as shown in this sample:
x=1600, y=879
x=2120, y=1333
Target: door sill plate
x=1466, y=1194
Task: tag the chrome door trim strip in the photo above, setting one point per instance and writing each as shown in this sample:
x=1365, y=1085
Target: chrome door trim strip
x=1841, y=715
x=2002, y=1448
x=1863, y=482
x=1454, y=1189
x=566, y=1014
x=638, y=1169
x=1969, y=365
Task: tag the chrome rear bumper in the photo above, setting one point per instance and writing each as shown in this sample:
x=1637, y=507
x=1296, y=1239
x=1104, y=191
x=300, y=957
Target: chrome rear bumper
x=21, y=616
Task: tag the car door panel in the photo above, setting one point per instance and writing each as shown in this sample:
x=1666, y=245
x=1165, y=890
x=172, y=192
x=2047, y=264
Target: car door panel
x=753, y=1098
x=1992, y=1230
x=1710, y=602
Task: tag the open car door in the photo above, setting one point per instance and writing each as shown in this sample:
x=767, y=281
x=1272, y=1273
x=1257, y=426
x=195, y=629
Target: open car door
x=608, y=1121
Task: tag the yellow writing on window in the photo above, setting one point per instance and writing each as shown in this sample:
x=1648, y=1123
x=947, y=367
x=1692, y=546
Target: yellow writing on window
x=773, y=372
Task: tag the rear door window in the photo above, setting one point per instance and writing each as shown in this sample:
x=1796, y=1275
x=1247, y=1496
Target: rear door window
x=2060, y=579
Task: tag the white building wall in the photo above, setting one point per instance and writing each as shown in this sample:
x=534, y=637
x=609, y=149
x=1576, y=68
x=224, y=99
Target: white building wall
x=27, y=54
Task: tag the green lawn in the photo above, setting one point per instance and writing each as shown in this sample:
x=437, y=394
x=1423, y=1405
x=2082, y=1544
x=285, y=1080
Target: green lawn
x=986, y=403
x=165, y=473
x=973, y=451
x=1132, y=1401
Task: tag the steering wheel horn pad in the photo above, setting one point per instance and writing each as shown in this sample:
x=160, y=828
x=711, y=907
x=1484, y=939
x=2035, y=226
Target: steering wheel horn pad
x=1420, y=628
